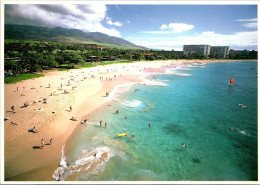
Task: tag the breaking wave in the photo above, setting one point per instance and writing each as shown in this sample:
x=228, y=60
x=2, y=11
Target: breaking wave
x=153, y=83
x=88, y=162
x=132, y=104
x=173, y=72
x=119, y=89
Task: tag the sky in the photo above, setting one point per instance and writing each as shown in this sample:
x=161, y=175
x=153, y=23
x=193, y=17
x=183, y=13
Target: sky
x=158, y=26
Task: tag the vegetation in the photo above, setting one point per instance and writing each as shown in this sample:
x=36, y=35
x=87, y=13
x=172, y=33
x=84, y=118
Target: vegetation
x=30, y=56
x=25, y=32
x=21, y=77
x=244, y=54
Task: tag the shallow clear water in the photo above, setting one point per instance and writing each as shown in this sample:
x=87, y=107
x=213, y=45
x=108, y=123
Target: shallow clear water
x=186, y=110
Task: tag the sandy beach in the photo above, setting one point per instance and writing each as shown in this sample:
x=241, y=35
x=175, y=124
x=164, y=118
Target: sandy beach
x=44, y=103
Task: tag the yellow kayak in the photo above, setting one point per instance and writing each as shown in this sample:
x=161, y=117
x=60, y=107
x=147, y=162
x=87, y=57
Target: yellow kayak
x=123, y=134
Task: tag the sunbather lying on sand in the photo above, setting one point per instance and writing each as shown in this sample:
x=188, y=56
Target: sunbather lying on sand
x=26, y=104
x=33, y=130
x=73, y=119
x=13, y=123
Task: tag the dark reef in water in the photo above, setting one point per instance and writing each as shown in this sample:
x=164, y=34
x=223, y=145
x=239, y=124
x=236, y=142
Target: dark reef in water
x=196, y=160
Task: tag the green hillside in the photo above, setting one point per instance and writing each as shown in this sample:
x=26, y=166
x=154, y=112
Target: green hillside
x=25, y=32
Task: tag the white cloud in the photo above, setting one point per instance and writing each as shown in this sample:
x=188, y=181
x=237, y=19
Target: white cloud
x=177, y=27
x=156, y=32
x=247, y=20
x=84, y=17
x=110, y=22
x=163, y=27
x=250, y=25
x=172, y=28
x=238, y=40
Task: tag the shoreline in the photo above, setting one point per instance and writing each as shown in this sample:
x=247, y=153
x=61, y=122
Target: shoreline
x=24, y=163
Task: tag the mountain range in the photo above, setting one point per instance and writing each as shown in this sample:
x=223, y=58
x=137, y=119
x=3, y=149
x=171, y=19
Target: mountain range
x=26, y=32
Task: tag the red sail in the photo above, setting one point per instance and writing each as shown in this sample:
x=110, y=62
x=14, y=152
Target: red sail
x=232, y=81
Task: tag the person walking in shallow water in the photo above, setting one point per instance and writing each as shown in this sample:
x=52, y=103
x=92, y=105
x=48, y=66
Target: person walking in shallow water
x=100, y=123
x=106, y=124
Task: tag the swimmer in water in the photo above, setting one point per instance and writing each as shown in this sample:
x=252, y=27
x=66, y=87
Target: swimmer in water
x=220, y=122
x=133, y=138
x=241, y=105
x=183, y=145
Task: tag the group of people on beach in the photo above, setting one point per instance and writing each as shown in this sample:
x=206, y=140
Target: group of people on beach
x=61, y=85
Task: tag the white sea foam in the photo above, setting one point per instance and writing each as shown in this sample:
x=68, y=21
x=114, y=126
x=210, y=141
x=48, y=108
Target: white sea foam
x=196, y=65
x=244, y=132
x=58, y=173
x=153, y=83
x=185, y=68
x=132, y=104
x=88, y=162
x=119, y=89
x=173, y=72
x=63, y=162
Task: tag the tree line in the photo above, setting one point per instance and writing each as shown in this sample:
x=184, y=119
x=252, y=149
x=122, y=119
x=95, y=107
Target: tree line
x=34, y=57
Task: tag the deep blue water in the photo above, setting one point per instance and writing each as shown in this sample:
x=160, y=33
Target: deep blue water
x=187, y=110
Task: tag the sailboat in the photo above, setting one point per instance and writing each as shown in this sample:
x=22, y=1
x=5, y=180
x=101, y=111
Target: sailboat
x=231, y=82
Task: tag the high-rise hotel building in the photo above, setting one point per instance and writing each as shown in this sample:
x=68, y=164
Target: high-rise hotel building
x=214, y=51
x=219, y=51
x=196, y=49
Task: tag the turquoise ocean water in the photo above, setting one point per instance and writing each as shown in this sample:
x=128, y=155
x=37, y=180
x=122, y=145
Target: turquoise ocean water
x=183, y=105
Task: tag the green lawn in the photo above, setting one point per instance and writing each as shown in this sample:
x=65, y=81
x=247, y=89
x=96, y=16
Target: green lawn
x=21, y=77
x=93, y=64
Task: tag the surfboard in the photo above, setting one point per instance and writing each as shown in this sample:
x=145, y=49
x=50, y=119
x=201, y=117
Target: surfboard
x=123, y=134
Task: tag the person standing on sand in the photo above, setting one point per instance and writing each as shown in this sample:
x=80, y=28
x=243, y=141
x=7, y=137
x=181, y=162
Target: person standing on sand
x=17, y=89
x=12, y=108
x=50, y=141
x=100, y=123
x=70, y=108
x=42, y=141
